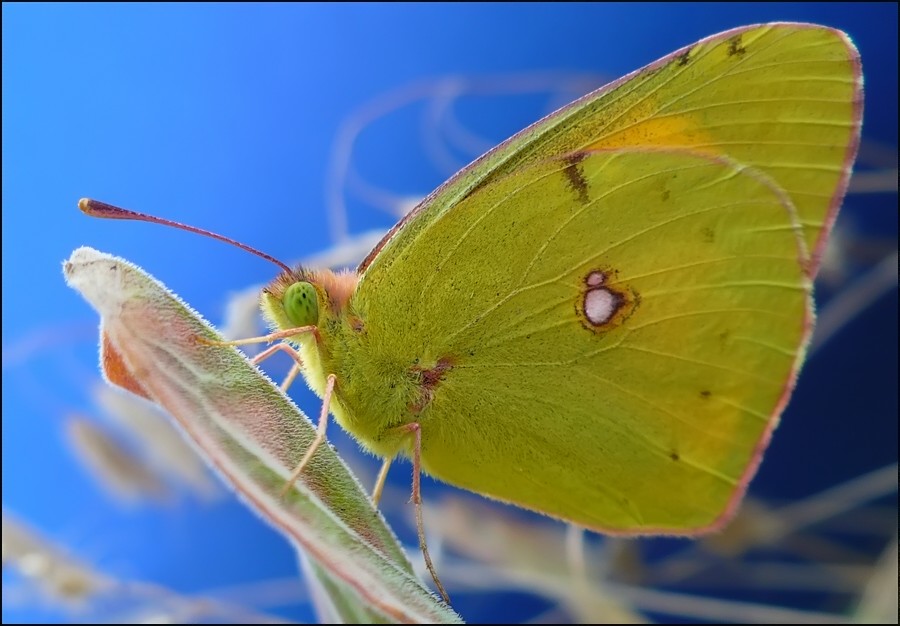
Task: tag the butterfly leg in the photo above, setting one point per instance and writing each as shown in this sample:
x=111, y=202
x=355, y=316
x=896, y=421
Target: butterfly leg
x=320, y=435
x=416, y=431
x=281, y=334
x=295, y=369
x=379, y=482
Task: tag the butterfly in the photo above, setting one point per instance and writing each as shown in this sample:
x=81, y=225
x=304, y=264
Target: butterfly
x=602, y=318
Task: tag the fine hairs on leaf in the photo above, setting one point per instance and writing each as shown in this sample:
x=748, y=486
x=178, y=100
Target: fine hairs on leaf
x=251, y=433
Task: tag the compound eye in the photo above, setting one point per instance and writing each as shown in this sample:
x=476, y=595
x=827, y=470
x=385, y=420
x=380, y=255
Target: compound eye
x=301, y=304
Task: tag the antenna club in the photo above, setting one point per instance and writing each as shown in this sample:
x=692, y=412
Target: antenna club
x=95, y=208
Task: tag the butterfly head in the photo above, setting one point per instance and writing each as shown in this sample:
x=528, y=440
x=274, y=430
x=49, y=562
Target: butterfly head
x=301, y=297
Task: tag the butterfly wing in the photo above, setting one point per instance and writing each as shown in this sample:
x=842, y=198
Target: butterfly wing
x=610, y=308
x=616, y=333
x=784, y=98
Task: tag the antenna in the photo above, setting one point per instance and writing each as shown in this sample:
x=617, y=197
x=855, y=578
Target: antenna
x=95, y=208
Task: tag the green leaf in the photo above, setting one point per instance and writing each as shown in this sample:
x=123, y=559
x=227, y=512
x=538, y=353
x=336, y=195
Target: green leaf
x=253, y=435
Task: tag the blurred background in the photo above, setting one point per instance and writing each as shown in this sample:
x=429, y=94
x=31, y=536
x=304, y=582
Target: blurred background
x=305, y=129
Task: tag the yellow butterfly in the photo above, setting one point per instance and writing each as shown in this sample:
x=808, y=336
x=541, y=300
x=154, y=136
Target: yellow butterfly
x=602, y=318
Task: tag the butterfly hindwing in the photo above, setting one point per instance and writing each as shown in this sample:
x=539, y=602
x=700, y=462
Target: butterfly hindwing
x=629, y=339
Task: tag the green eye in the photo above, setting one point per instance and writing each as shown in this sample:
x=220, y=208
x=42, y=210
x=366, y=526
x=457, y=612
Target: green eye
x=301, y=304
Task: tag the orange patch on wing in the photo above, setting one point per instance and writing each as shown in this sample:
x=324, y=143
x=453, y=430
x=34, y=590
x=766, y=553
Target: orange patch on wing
x=653, y=129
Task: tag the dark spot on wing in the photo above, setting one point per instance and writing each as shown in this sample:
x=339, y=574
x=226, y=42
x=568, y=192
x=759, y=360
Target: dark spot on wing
x=684, y=58
x=709, y=235
x=576, y=176
x=666, y=194
x=724, y=339
x=705, y=394
x=674, y=456
x=622, y=300
x=736, y=46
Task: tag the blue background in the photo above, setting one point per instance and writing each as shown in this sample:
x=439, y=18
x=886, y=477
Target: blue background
x=223, y=116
